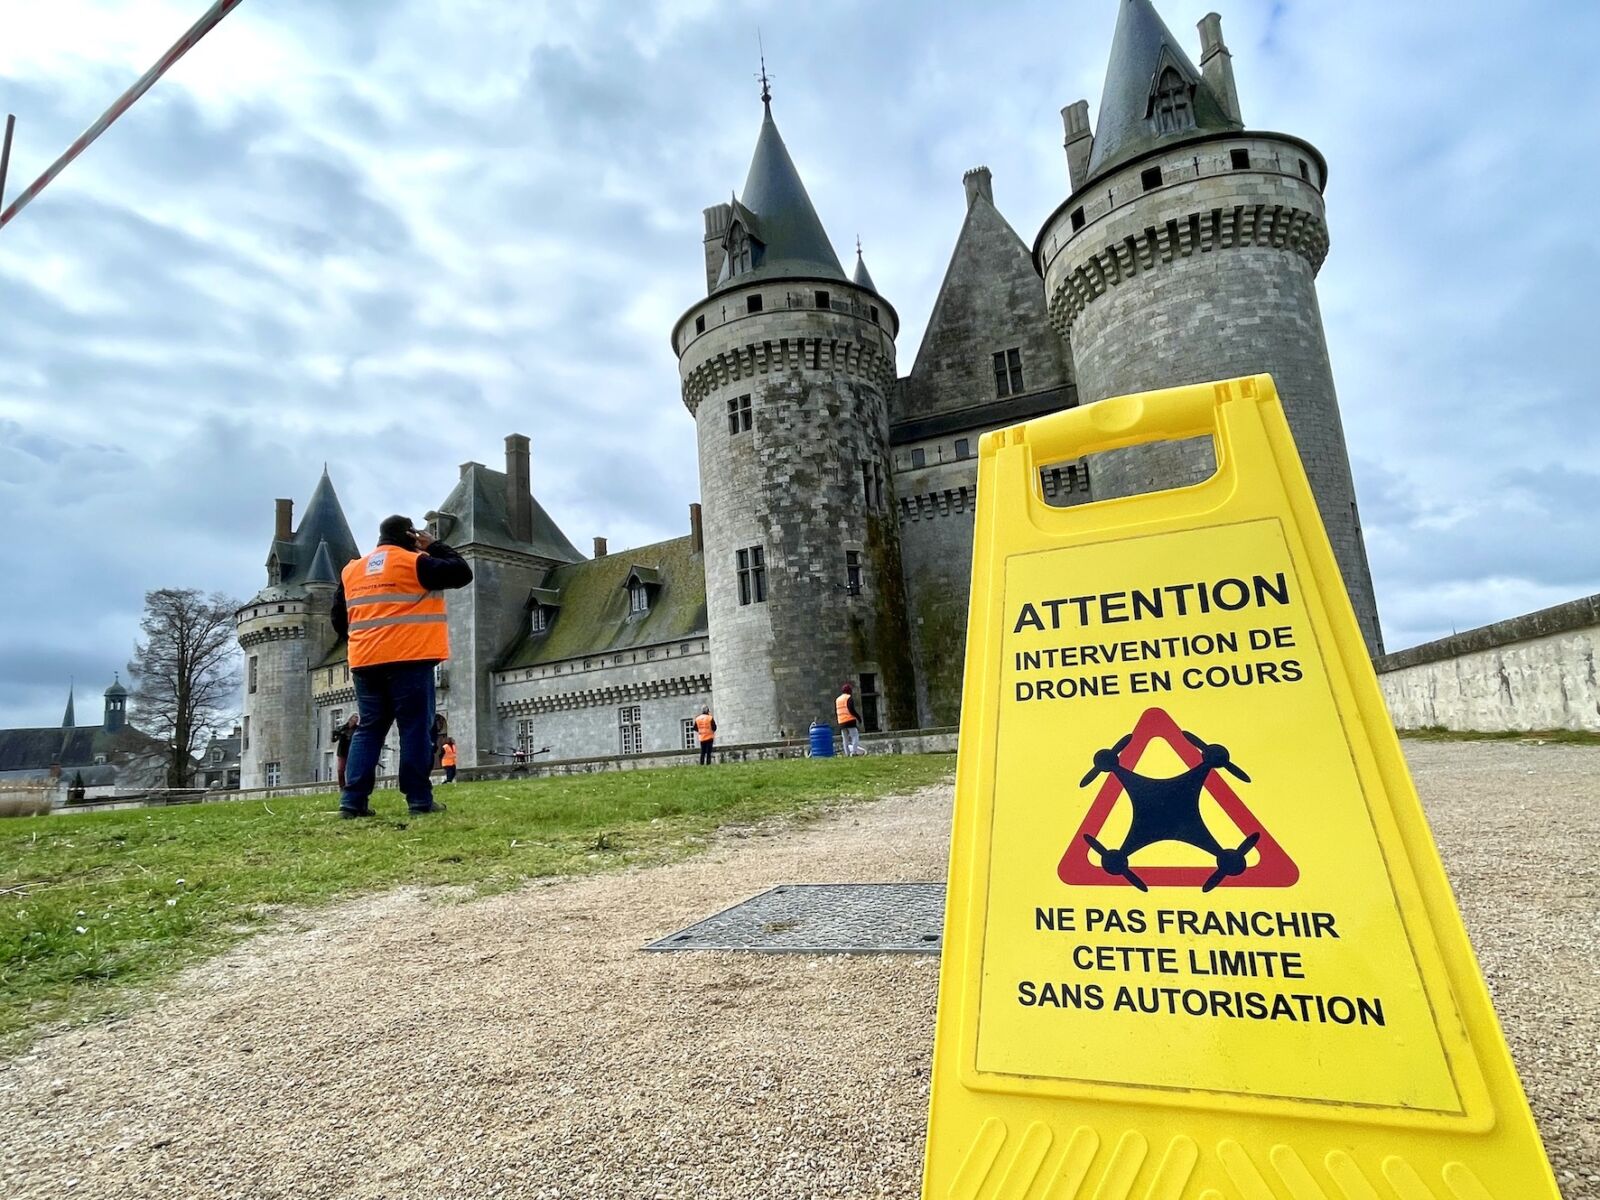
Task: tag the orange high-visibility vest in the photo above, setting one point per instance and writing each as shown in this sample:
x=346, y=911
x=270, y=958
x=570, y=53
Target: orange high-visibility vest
x=703, y=726
x=392, y=618
x=841, y=706
x=449, y=759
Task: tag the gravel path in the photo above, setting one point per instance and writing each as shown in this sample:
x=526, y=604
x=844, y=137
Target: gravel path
x=411, y=1046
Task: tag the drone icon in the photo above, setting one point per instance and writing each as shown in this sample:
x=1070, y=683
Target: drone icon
x=1168, y=810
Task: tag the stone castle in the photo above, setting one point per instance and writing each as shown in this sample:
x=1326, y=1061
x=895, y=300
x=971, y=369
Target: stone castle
x=834, y=535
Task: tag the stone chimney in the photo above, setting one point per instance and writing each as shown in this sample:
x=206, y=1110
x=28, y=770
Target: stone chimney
x=978, y=183
x=599, y=547
x=1080, y=140
x=519, y=501
x=283, y=530
x=718, y=218
x=1216, y=64
x=697, y=537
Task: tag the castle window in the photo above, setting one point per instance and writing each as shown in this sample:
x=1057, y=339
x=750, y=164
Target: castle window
x=630, y=728
x=691, y=738
x=738, y=414
x=274, y=774
x=877, y=485
x=1008, y=372
x=216, y=756
x=525, y=736
x=824, y=300
x=963, y=449
x=752, y=304
x=873, y=309
x=244, y=733
x=638, y=597
x=1305, y=171
x=869, y=704
x=1150, y=178
x=700, y=323
x=740, y=253
x=1077, y=218
x=538, y=619
x=919, y=458
x=1171, y=107
x=852, y=572
x=254, y=663
x=752, y=575
x=1240, y=159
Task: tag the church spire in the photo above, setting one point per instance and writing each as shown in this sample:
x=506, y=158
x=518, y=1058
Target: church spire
x=861, y=277
x=69, y=719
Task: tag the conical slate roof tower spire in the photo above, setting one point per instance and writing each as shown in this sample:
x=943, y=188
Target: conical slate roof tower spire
x=69, y=719
x=861, y=277
x=786, y=224
x=1153, y=91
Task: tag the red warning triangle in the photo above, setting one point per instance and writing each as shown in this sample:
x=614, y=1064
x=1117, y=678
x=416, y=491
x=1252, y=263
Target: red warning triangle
x=1274, y=867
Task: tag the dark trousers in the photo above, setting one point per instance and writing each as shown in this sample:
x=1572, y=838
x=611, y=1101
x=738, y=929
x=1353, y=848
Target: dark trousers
x=449, y=774
x=705, y=752
x=394, y=694
x=341, y=760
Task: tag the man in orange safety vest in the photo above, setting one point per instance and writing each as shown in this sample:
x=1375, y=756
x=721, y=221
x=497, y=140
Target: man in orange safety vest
x=849, y=718
x=390, y=604
x=705, y=728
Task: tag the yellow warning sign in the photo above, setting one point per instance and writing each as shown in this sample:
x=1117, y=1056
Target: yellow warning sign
x=1198, y=941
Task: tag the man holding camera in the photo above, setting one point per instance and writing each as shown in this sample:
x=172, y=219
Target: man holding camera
x=391, y=605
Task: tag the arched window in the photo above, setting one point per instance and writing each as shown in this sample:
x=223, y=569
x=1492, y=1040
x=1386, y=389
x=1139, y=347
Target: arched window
x=1172, y=106
x=740, y=251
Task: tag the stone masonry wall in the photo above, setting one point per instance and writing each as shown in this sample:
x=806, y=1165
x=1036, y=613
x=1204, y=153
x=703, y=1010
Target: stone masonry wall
x=1532, y=672
x=574, y=706
x=484, y=618
x=793, y=484
x=1208, y=275
x=284, y=637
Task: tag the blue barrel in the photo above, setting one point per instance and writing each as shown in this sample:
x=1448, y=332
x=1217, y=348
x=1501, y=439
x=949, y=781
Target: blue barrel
x=821, y=740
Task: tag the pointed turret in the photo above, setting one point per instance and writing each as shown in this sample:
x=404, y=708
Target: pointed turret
x=861, y=277
x=775, y=214
x=322, y=566
x=1153, y=92
x=68, y=719
x=293, y=553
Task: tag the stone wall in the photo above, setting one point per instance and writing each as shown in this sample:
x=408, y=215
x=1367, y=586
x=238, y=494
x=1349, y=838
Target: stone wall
x=284, y=636
x=1536, y=671
x=574, y=707
x=1183, y=268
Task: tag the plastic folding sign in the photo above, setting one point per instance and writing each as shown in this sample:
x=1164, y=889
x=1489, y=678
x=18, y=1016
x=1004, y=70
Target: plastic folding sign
x=1198, y=944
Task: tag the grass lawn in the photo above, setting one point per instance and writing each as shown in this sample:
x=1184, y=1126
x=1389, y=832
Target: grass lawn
x=93, y=903
x=1567, y=737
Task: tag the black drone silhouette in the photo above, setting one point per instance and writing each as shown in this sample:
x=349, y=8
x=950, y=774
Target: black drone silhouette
x=1168, y=810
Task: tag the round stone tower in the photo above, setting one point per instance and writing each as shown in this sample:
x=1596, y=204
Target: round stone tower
x=285, y=630
x=786, y=367
x=1188, y=251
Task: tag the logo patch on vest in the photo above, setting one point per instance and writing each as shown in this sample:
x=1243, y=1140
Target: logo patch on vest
x=375, y=563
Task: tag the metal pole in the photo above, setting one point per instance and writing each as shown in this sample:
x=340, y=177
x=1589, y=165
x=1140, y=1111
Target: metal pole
x=5, y=155
x=123, y=102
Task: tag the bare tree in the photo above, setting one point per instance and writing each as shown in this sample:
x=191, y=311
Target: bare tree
x=185, y=671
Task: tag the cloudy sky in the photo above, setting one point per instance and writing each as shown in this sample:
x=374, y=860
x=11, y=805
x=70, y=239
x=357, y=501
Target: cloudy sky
x=385, y=233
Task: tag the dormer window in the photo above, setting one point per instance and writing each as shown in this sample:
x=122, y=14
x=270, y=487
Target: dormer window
x=642, y=584
x=740, y=251
x=638, y=597
x=274, y=570
x=538, y=619
x=1172, y=103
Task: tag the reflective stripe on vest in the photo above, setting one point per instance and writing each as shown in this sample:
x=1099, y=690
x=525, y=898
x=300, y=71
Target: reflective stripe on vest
x=703, y=726
x=449, y=758
x=841, y=706
x=393, y=618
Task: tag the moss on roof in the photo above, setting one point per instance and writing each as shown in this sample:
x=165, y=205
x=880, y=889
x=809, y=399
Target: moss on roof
x=593, y=617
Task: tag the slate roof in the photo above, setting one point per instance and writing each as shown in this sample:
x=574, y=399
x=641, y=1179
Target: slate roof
x=1140, y=49
x=322, y=524
x=786, y=223
x=68, y=719
x=474, y=513
x=861, y=277
x=593, y=616
x=37, y=749
x=322, y=566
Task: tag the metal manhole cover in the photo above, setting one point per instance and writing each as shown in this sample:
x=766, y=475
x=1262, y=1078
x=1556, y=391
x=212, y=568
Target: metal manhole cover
x=824, y=918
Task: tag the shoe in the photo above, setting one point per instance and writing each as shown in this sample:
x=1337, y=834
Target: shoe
x=350, y=814
x=435, y=807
